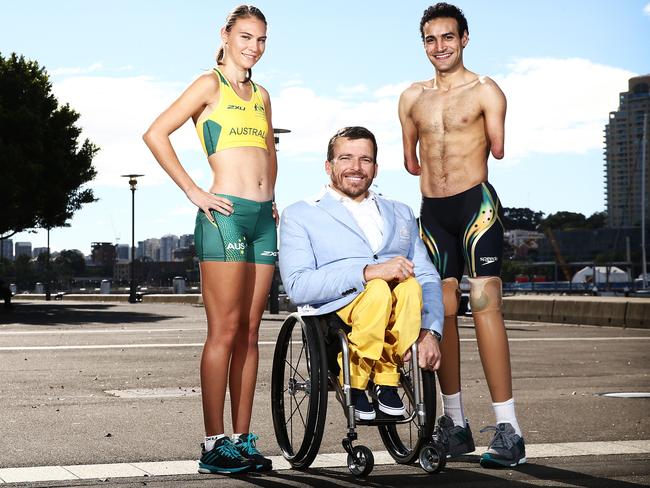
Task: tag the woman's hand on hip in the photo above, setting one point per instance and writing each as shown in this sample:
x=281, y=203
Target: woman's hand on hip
x=208, y=201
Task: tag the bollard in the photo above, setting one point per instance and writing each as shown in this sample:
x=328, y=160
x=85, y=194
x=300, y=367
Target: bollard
x=105, y=287
x=179, y=285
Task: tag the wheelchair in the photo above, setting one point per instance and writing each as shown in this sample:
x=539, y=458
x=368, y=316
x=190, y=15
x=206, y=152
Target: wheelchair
x=305, y=370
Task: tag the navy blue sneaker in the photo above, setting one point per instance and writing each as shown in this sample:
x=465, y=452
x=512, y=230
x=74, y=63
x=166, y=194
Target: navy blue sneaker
x=362, y=408
x=224, y=458
x=246, y=446
x=389, y=401
x=506, y=449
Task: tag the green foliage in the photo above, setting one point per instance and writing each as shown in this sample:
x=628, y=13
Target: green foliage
x=597, y=220
x=71, y=263
x=564, y=221
x=42, y=162
x=510, y=269
x=521, y=218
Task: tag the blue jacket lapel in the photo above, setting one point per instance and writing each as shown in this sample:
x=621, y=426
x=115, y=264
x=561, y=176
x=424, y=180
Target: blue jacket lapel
x=340, y=213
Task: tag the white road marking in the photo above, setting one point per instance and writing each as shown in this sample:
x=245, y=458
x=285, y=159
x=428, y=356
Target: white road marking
x=272, y=343
x=329, y=460
x=114, y=331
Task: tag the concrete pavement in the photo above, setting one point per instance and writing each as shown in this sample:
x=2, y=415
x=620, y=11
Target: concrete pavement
x=96, y=383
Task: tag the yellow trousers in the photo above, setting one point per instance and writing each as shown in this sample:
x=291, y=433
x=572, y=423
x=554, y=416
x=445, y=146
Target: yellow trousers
x=385, y=323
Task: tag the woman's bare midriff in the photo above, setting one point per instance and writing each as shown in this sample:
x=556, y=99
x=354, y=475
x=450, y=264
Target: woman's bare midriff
x=243, y=172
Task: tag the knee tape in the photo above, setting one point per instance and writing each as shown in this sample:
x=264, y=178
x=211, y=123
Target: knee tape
x=450, y=296
x=485, y=294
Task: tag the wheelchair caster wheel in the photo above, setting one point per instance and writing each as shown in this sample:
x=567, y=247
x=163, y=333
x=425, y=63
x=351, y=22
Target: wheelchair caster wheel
x=361, y=461
x=432, y=458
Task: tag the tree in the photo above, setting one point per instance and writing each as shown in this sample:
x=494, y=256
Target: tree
x=72, y=260
x=521, y=218
x=42, y=163
x=564, y=221
x=597, y=220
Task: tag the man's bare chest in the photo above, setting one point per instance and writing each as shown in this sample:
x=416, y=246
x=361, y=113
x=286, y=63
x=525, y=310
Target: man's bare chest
x=445, y=111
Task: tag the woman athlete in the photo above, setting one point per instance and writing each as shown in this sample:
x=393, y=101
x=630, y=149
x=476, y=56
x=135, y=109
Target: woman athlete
x=235, y=233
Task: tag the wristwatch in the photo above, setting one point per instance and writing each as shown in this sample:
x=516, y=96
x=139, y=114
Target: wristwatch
x=435, y=334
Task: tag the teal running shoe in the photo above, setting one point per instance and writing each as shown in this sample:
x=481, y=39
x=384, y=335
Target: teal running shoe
x=246, y=446
x=224, y=458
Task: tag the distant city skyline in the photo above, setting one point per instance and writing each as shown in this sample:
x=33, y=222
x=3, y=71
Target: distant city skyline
x=560, y=75
x=150, y=247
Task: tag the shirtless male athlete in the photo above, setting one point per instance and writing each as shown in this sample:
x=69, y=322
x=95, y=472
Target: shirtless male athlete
x=457, y=118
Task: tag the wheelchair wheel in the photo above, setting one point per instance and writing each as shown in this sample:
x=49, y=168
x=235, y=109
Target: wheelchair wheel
x=432, y=458
x=361, y=461
x=404, y=441
x=299, y=390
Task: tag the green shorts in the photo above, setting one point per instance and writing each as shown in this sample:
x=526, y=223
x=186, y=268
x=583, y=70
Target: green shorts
x=247, y=235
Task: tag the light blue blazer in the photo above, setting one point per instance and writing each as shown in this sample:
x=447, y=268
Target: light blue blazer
x=323, y=252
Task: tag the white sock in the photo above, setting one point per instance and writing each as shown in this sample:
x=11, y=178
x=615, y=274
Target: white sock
x=211, y=440
x=452, y=406
x=505, y=412
x=235, y=437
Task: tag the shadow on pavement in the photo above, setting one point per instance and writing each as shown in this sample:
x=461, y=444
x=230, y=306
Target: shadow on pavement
x=573, y=478
x=52, y=314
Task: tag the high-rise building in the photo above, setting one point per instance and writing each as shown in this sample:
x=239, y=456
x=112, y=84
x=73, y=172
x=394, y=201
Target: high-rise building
x=168, y=243
x=623, y=145
x=37, y=251
x=186, y=240
x=23, y=249
x=7, y=251
x=152, y=249
x=139, y=251
x=123, y=252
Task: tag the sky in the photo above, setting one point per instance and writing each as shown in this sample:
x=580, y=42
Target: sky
x=328, y=65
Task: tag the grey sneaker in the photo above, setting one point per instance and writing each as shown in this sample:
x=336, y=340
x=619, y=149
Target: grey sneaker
x=455, y=440
x=506, y=449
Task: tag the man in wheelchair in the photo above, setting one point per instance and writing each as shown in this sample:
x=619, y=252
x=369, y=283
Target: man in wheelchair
x=353, y=252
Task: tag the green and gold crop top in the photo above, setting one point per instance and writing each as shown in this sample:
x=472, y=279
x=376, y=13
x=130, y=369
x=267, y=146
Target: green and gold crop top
x=234, y=122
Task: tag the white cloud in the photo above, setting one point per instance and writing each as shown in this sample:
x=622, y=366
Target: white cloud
x=646, y=9
x=394, y=90
x=352, y=90
x=115, y=112
x=313, y=119
x=558, y=106
x=188, y=209
x=78, y=70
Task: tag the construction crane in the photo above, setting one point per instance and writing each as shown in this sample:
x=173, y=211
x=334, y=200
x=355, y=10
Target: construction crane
x=558, y=255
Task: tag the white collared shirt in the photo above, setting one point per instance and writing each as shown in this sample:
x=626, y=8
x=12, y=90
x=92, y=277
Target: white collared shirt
x=366, y=215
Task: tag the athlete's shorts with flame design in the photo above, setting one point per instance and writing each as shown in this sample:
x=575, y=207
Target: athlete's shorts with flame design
x=247, y=235
x=464, y=229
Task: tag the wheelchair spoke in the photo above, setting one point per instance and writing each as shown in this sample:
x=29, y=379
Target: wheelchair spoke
x=297, y=409
x=295, y=371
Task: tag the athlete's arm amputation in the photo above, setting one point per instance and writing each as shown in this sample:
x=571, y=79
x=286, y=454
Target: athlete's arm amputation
x=409, y=132
x=493, y=102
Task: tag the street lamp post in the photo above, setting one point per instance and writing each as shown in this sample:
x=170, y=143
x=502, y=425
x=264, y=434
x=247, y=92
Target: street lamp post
x=133, y=182
x=274, y=293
